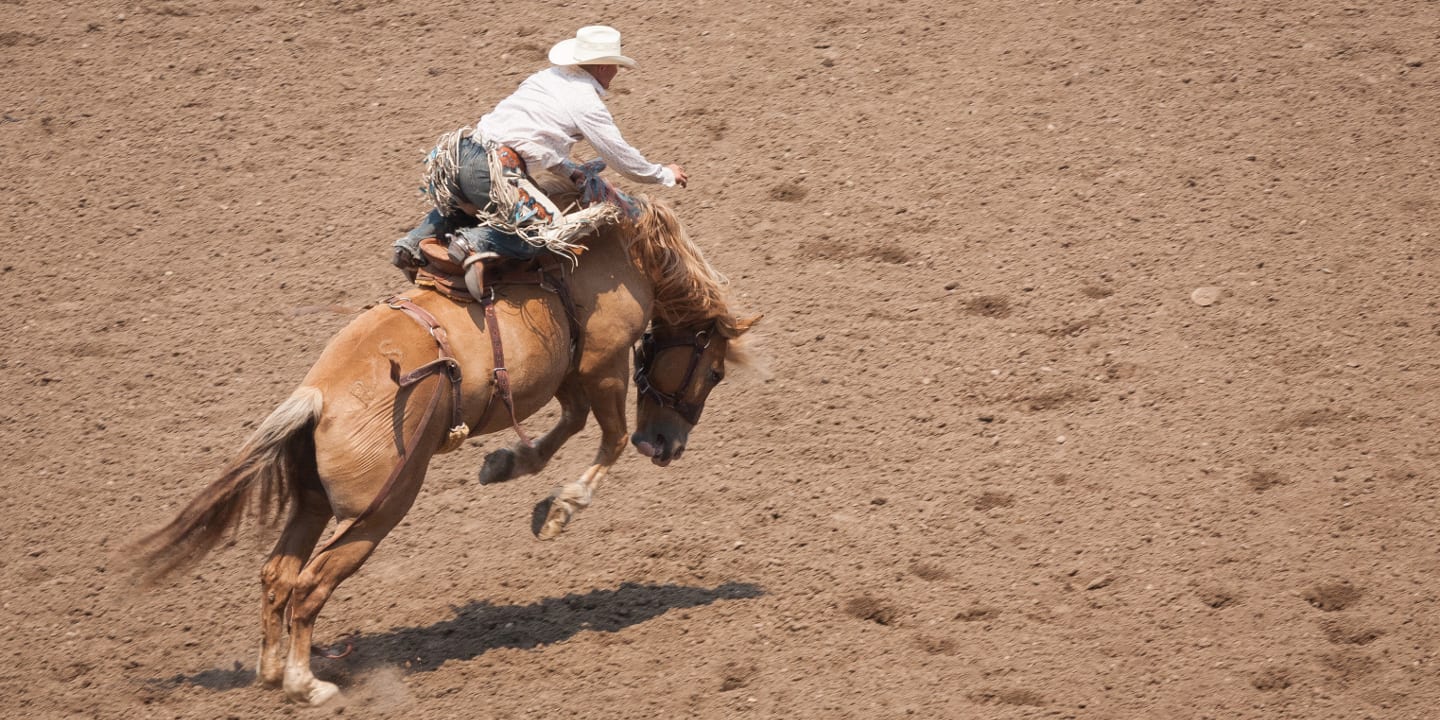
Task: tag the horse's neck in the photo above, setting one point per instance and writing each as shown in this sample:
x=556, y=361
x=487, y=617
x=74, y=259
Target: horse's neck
x=611, y=290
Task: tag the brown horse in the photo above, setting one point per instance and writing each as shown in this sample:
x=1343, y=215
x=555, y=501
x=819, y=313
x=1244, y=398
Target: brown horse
x=354, y=440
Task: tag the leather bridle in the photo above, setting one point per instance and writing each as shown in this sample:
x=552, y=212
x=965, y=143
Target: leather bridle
x=650, y=348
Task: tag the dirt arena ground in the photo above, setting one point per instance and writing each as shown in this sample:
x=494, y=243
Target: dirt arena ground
x=1007, y=461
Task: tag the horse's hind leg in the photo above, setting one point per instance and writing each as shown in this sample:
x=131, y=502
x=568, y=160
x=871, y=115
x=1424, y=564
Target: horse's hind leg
x=521, y=459
x=325, y=572
x=313, y=587
x=607, y=395
x=307, y=520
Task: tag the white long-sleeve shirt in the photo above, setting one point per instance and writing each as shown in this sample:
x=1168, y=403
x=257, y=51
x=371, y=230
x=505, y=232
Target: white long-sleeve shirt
x=555, y=108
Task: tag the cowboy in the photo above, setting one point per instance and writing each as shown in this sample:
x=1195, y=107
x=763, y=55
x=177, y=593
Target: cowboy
x=540, y=123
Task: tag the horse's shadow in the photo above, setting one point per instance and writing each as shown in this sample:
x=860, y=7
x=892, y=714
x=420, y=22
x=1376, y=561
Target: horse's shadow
x=478, y=627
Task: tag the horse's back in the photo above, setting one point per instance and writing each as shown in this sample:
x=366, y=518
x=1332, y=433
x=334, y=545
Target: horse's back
x=360, y=368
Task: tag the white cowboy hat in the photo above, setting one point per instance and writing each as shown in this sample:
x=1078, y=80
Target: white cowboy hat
x=592, y=45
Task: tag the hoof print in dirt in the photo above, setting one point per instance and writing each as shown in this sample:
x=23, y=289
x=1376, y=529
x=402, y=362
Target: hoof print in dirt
x=1271, y=680
x=1330, y=597
x=878, y=611
x=824, y=247
x=929, y=571
x=1217, y=598
x=788, y=192
x=1262, y=480
x=990, y=500
x=1348, y=666
x=991, y=306
x=736, y=675
x=937, y=645
x=1351, y=631
x=978, y=614
x=890, y=253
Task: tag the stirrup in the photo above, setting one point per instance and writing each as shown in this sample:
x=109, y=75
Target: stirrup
x=474, y=274
x=484, y=257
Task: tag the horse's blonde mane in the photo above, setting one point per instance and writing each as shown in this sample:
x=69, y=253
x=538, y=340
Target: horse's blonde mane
x=688, y=289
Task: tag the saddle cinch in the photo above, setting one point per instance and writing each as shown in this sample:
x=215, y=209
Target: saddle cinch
x=457, y=272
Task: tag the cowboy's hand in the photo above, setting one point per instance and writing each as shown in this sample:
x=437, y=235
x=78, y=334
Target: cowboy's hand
x=680, y=177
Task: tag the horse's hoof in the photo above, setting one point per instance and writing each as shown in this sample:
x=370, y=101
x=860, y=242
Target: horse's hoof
x=549, y=519
x=552, y=529
x=269, y=675
x=555, y=523
x=499, y=466
x=319, y=693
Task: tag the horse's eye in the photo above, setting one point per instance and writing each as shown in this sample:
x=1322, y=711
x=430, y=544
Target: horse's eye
x=716, y=376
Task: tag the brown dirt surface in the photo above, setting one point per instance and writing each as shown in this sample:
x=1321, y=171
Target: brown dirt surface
x=1002, y=466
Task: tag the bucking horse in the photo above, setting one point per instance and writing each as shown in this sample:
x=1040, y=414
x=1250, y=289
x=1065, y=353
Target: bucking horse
x=417, y=374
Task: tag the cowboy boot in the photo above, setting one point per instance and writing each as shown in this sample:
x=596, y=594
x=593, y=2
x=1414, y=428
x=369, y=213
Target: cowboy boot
x=405, y=253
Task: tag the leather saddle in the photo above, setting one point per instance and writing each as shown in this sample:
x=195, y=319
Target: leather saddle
x=443, y=273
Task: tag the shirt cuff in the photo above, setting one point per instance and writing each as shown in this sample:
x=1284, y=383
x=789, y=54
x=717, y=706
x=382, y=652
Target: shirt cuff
x=666, y=177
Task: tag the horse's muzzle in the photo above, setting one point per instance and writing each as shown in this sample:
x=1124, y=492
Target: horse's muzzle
x=658, y=448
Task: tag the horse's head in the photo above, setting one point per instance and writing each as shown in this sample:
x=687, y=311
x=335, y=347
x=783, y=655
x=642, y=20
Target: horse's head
x=675, y=370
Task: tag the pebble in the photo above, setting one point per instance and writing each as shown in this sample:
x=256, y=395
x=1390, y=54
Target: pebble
x=1206, y=295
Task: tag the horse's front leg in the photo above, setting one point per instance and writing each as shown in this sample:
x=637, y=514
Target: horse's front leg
x=607, y=397
x=522, y=459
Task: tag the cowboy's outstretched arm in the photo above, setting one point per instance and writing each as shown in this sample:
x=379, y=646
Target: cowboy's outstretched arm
x=599, y=129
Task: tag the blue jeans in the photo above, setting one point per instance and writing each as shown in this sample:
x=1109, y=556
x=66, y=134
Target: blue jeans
x=473, y=180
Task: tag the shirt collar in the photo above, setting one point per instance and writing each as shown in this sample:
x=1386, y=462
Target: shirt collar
x=578, y=73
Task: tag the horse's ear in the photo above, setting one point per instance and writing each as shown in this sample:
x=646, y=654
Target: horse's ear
x=743, y=324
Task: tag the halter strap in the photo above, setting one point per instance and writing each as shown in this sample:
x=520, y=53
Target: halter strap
x=649, y=348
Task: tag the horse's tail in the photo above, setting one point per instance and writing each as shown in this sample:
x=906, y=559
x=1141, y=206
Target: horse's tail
x=268, y=464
